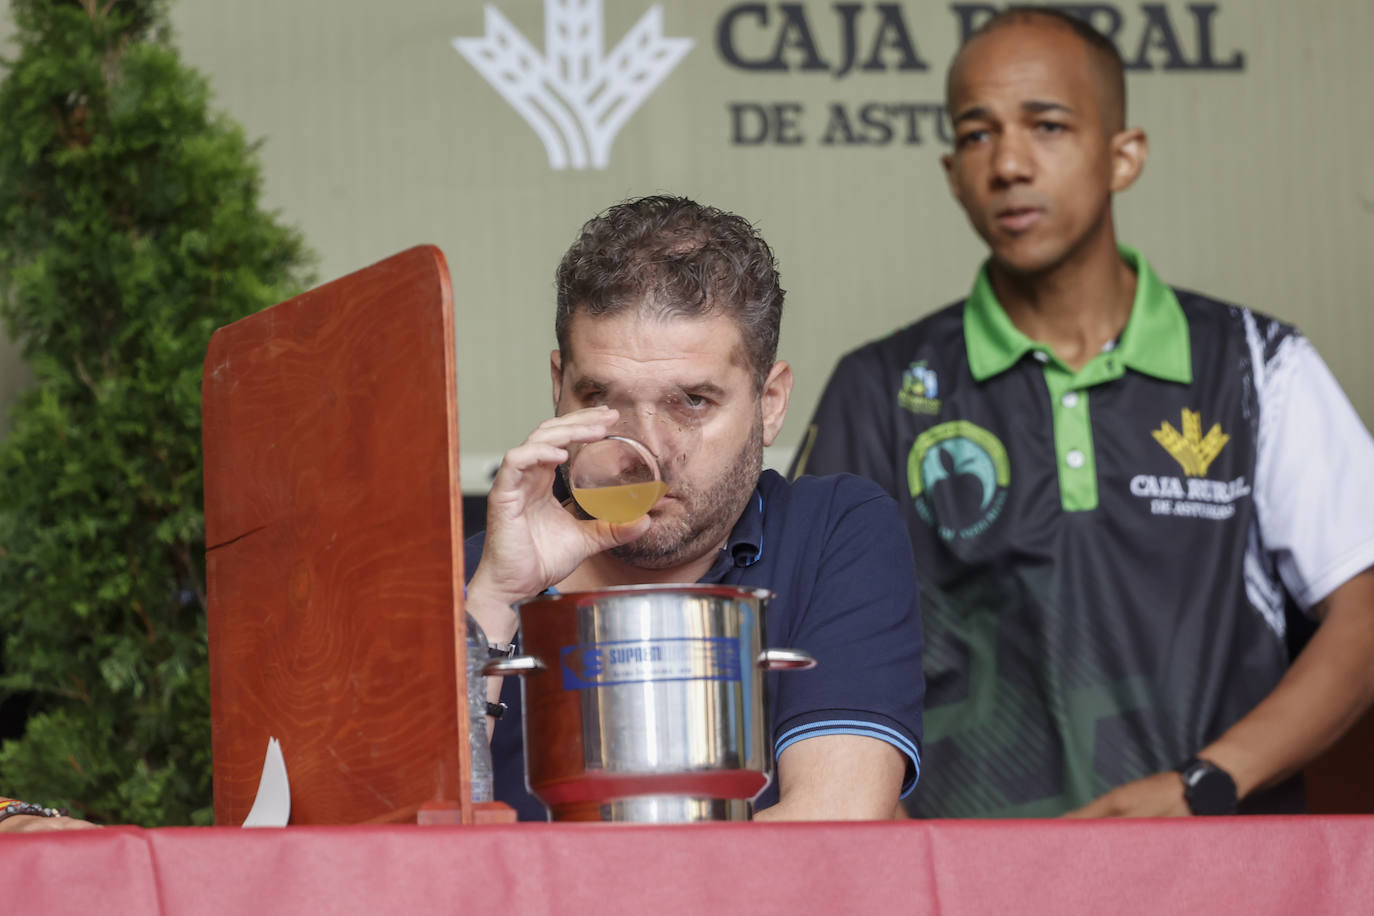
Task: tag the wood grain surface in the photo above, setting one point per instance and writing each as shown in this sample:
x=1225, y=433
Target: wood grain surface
x=334, y=532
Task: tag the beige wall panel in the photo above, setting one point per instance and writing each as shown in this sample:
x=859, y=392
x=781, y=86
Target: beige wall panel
x=379, y=135
x=1259, y=188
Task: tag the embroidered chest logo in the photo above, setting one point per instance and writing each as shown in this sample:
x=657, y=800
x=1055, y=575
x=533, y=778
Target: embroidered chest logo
x=1192, y=450
x=1194, y=495
x=920, y=389
x=958, y=474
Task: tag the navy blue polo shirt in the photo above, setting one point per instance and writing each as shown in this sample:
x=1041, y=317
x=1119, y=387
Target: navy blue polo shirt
x=836, y=555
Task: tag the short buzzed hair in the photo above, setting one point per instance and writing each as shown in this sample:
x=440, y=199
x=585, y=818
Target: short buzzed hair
x=1111, y=68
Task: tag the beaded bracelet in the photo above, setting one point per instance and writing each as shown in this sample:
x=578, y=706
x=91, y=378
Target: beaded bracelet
x=12, y=807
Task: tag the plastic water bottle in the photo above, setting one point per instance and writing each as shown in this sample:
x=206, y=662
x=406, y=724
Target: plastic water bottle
x=477, y=714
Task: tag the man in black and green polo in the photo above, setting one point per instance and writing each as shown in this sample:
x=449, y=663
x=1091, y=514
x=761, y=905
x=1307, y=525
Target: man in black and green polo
x=1115, y=489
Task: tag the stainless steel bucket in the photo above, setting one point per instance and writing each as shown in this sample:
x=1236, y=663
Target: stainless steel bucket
x=647, y=703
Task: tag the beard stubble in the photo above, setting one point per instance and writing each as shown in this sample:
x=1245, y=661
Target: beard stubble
x=708, y=514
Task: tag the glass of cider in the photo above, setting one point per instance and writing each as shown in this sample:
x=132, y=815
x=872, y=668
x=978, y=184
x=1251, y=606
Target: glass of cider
x=615, y=479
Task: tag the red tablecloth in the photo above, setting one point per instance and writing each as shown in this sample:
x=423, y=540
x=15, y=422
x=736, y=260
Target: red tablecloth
x=1212, y=866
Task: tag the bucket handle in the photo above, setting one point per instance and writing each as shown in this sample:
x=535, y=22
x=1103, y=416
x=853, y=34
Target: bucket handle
x=785, y=660
x=768, y=660
x=519, y=665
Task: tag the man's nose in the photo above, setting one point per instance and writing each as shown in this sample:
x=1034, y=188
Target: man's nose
x=655, y=429
x=1012, y=158
x=641, y=423
x=659, y=435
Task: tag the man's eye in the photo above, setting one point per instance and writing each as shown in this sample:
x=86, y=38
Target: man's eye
x=971, y=137
x=690, y=406
x=1051, y=127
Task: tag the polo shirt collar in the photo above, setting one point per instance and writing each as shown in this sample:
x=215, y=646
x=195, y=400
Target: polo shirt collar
x=744, y=547
x=1154, y=342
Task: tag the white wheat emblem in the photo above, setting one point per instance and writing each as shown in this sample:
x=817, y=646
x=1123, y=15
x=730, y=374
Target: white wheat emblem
x=575, y=99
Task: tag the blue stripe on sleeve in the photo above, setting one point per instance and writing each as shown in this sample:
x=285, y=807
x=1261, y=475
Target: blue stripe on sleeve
x=856, y=727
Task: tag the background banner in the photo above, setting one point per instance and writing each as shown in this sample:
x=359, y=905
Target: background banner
x=494, y=130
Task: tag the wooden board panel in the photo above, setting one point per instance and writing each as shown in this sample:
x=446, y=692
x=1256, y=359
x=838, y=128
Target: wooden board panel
x=334, y=532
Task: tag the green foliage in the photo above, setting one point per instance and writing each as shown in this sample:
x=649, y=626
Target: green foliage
x=129, y=230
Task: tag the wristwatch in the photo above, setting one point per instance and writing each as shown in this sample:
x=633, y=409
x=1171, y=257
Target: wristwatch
x=1207, y=788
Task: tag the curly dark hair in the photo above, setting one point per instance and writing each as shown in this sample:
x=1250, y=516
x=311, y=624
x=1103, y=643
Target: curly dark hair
x=670, y=257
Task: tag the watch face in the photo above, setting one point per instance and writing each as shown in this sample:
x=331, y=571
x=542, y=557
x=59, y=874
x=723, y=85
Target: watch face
x=1209, y=789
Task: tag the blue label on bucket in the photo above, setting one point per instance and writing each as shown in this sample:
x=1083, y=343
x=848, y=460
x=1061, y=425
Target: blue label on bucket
x=601, y=664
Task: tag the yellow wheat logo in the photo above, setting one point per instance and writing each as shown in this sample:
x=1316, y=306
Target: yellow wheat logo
x=1190, y=448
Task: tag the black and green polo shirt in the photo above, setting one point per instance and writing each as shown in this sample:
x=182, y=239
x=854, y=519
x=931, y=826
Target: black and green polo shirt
x=1105, y=556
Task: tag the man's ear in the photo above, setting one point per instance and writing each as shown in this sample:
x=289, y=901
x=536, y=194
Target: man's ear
x=556, y=376
x=777, y=389
x=1129, y=149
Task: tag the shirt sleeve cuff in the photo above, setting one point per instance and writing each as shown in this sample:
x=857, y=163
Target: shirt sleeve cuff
x=863, y=728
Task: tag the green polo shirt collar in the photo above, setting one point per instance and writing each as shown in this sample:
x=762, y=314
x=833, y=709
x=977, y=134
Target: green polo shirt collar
x=1154, y=341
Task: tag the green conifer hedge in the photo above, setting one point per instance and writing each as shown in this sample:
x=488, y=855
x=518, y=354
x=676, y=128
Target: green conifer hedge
x=130, y=228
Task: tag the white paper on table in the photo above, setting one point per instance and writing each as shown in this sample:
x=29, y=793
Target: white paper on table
x=272, y=807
